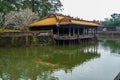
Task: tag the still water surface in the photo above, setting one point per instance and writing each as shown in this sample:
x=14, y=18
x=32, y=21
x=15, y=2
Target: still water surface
x=99, y=61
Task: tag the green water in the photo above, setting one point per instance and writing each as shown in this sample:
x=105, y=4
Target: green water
x=99, y=61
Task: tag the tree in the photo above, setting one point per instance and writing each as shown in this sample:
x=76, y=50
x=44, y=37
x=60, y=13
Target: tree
x=113, y=21
x=5, y=7
x=20, y=19
x=43, y=7
x=0, y=19
x=115, y=16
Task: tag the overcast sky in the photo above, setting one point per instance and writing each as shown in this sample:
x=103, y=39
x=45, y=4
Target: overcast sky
x=91, y=9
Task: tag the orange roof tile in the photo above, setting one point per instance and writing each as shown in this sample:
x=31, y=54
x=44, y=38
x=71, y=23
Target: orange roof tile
x=61, y=20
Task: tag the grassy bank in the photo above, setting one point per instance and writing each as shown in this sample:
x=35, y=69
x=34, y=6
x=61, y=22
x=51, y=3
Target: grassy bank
x=8, y=30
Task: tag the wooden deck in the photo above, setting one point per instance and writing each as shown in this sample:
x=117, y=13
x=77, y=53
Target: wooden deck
x=65, y=37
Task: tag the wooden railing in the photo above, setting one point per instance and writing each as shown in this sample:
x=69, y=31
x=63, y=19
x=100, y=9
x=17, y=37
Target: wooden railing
x=65, y=37
x=85, y=36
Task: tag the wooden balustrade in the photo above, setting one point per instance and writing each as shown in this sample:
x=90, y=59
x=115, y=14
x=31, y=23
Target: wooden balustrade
x=65, y=37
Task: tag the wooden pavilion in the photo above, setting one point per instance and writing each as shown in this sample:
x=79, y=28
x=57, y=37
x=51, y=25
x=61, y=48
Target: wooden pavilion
x=66, y=29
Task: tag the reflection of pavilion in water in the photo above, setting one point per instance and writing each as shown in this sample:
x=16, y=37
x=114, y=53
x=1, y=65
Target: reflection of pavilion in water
x=73, y=56
x=92, y=49
x=39, y=63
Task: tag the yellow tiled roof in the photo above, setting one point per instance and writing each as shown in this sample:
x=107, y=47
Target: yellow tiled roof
x=61, y=20
x=44, y=22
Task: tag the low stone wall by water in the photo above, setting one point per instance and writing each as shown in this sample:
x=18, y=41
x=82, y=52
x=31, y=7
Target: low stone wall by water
x=24, y=39
x=16, y=41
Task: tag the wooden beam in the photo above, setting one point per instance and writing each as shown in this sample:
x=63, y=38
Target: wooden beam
x=57, y=30
x=78, y=31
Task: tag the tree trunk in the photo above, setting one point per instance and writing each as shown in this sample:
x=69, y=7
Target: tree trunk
x=3, y=21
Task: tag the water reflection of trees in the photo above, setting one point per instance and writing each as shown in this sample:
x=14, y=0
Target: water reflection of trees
x=40, y=62
x=114, y=45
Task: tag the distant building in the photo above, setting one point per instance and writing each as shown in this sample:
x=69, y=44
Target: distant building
x=65, y=28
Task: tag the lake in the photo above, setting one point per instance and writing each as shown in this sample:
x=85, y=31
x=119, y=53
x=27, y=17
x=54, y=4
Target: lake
x=91, y=61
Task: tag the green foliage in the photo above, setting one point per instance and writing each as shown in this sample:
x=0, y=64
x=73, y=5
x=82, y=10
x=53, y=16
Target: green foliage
x=113, y=21
x=8, y=5
x=5, y=7
x=43, y=7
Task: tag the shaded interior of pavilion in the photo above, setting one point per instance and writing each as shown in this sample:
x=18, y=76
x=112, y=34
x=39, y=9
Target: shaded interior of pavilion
x=74, y=30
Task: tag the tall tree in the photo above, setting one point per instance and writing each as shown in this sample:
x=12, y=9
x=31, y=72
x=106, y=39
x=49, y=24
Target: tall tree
x=113, y=21
x=5, y=7
x=21, y=19
x=43, y=7
x=33, y=8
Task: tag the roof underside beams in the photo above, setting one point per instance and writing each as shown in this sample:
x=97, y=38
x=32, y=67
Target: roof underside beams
x=65, y=26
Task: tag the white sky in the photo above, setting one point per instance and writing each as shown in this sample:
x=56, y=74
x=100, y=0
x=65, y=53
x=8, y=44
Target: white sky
x=91, y=9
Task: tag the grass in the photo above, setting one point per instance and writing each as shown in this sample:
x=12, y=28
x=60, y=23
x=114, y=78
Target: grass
x=8, y=30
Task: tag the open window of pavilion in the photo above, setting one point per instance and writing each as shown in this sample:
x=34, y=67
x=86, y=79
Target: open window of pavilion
x=65, y=27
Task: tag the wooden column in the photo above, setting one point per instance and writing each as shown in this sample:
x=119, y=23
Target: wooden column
x=94, y=31
x=58, y=31
x=83, y=31
x=78, y=31
x=90, y=31
x=73, y=31
x=87, y=31
x=69, y=31
x=78, y=34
